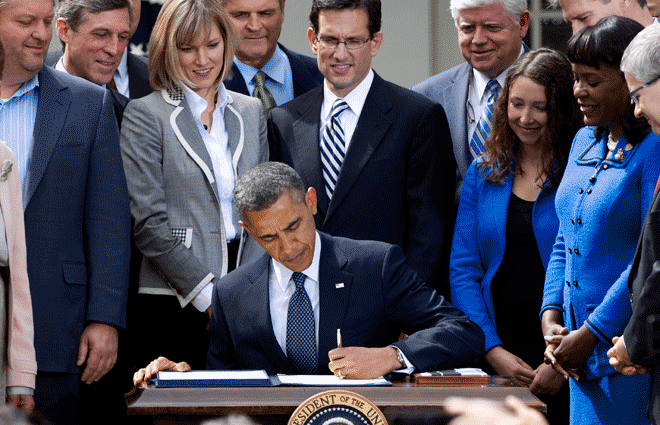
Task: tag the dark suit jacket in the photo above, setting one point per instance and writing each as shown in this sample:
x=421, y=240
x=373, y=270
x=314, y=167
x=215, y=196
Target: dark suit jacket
x=381, y=297
x=396, y=184
x=77, y=221
x=642, y=334
x=450, y=89
x=306, y=74
x=138, y=76
x=138, y=73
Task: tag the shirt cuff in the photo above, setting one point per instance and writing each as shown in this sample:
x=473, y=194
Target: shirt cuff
x=408, y=367
x=203, y=300
x=19, y=390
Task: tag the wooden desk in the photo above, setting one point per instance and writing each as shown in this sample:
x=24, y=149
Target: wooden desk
x=404, y=402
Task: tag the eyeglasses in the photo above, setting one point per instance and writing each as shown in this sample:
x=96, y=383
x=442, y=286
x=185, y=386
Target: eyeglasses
x=351, y=44
x=633, y=99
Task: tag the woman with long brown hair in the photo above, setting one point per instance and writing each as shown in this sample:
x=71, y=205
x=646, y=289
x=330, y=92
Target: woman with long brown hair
x=506, y=221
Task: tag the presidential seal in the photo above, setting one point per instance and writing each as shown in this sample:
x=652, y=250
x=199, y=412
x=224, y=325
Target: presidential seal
x=337, y=407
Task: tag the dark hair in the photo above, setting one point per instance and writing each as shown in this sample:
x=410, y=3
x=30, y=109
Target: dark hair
x=74, y=11
x=260, y=187
x=371, y=6
x=603, y=45
x=551, y=70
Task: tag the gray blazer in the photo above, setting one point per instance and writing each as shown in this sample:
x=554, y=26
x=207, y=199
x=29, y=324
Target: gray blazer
x=173, y=194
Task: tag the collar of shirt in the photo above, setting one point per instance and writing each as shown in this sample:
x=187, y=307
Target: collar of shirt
x=26, y=87
x=198, y=104
x=274, y=68
x=355, y=99
x=122, y=69
x=283, y=274
x=60, y=65
x=121, y=75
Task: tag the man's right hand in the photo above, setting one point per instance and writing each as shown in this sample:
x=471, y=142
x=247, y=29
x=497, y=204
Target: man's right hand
x=161, y=363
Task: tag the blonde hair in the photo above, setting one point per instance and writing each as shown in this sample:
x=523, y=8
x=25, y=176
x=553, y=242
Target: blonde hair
x=178, y=23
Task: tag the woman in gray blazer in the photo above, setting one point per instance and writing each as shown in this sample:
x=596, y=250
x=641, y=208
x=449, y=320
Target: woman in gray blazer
x=184, y=146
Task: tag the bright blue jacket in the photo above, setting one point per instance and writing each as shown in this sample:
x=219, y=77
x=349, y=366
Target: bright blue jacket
x=480, y=240
x=600, y=222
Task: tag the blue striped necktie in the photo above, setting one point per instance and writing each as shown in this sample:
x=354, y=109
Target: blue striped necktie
x=333, y=146
x=484, y=125
x=301, y=329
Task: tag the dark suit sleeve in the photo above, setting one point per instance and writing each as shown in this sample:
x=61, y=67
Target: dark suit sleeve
x=107, y=224
x=221, y=355
x=430, y=198
x=642, y=334
x=440, y=335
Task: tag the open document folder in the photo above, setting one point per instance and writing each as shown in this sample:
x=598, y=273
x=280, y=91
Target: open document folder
x=329, y=381
x=253, y=378
x=214, y=378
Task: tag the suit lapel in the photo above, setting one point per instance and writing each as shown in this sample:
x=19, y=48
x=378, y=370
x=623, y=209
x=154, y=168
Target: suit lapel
x=257, y=308
x=334, y=289
x=52, y=109
x=373, y=124
x=305, y=147
x=186, y=132
x=236, y=135
x=455, y=96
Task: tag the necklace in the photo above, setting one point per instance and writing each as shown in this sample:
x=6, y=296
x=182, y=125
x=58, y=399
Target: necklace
x=611, y=143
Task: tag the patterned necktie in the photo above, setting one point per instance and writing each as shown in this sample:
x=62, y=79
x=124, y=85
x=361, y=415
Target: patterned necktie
x=483, y=128
x=333, y=146
x=262, y=93
x=301, y=329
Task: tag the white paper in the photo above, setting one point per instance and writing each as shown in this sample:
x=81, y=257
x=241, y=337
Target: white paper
x=329, y=381
x=213, y=374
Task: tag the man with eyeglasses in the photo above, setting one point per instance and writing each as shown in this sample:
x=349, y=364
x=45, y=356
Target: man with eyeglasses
x=378, y=155
x=641, y=350
x=490, y=36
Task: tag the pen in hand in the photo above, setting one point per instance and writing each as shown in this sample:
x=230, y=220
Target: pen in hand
x=339, y=345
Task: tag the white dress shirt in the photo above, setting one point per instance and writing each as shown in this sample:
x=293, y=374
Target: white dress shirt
x=121, y=75
x=355, y=100
x=120, y=82
x=281, y=288
x=478, y=98
x=223, y=170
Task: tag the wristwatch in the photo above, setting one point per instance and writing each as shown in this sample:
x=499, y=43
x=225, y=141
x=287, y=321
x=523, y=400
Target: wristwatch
x=400, y=358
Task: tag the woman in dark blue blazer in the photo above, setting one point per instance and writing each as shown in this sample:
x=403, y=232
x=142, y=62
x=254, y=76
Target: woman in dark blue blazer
x=506, y=222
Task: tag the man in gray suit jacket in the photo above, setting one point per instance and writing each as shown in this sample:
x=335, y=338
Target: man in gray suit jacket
x=490, y=37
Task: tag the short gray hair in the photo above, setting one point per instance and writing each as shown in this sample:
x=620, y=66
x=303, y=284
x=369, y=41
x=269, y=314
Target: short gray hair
x=641, y=58
x=259, y=188
x=74, y=12
x=512, y=8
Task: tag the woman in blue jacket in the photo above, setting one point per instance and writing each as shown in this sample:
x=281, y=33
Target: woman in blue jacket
x=601, y=203
x=506, y=221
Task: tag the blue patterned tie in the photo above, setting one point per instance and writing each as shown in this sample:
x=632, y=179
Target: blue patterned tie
x=483, y=128
x=333, y=146
x=301, y=329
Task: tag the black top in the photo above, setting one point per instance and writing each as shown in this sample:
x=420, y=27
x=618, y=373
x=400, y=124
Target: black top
x=517, y=287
